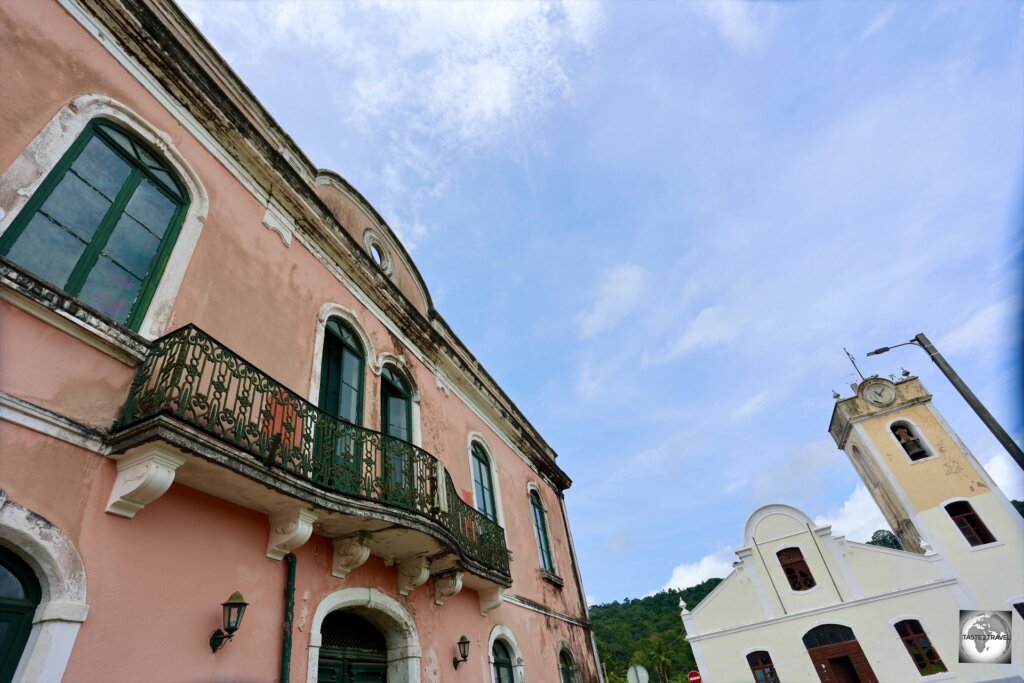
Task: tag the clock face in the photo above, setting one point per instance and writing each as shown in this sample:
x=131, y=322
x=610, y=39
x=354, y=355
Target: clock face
x=879, y=393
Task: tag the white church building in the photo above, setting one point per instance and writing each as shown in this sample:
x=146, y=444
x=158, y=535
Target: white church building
x=803, y=604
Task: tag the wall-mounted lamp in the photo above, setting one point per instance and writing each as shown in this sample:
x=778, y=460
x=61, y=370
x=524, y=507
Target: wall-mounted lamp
x=463, y=652
x=234, y=608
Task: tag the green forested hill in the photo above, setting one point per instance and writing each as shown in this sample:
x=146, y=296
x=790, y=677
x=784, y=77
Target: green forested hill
x=647, y=631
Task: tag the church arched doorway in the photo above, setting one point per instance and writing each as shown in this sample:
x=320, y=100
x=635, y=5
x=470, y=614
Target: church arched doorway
x=352, y=650
x=837, y=655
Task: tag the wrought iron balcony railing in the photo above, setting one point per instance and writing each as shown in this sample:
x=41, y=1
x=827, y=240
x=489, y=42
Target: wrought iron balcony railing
x=189, y=375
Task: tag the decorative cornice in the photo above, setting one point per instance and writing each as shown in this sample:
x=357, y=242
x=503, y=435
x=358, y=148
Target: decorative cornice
x=31, y=416
x=520, y=601
x=820, y=610
x=69, y=315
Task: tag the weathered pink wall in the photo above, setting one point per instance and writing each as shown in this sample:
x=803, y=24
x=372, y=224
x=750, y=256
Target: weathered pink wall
x=155, y=582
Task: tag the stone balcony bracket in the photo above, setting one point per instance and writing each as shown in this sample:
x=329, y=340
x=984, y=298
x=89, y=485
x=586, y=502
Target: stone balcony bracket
x=143, y=475
x=491, y=600
x=446, y=585
x=288, y=531
x=412, y=574
x=349, y=552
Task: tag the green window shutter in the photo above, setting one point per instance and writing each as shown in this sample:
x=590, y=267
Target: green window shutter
x=483, y=483
x=541, y=527
x=102, y=224
x=19, y=596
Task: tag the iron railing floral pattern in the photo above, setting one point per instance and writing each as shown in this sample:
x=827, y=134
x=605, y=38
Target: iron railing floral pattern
x=191, y=376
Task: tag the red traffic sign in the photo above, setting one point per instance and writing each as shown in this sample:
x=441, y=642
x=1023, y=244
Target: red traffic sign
x=694, y=677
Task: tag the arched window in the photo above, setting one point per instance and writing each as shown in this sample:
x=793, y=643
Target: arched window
x=341, y=373
x=540, y=526
x=503, y=671
x=395, y=404
x=926, y=659
x=761, y=666
x=909, y=439
x=339, y=448
x=19, y=596
x=969, y=523
x=828, y=634
x=482, y=483
x=102, y=224
x=795, y=567
x=566, y=667
x=396, y=423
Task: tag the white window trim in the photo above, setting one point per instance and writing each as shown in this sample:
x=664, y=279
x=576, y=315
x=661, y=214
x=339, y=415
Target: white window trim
x=778, y=565
x=19, y=182
x=532, y=486
x=335, y=310
x=919, y=619
x=478, y=438
x=504, y=634
x=61, y=574
x=371, y=239
x=949, y=518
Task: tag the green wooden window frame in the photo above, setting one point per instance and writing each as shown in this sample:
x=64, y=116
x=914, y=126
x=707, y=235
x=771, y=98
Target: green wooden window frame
x=115, y=185
x=566, y=669
x=502, y=657
x=540, y=526
x=483, y=483
x=341, y=373
x=394, y=391
x=20, y=594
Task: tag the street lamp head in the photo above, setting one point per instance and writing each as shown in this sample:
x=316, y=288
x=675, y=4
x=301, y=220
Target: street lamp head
x=878, y=351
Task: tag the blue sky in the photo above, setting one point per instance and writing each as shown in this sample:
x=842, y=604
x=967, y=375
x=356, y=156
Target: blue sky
x=658, y=225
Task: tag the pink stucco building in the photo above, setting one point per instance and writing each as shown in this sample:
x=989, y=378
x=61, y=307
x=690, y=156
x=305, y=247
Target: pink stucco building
x=220, y=371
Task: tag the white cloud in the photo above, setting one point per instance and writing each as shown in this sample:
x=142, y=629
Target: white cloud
x=453, y=77
x=712, y=327
x=621, y=288
x=857, y=519
x=1007, y=476
x=718, y=565
x=744, y=25
x=878, y=23
x=591, y=600
x=978, y=333
x=752, y=406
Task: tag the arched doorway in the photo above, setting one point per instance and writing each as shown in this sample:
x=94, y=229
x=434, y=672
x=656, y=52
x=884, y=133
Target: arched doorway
x=19, y=596
x=387, y=616
x=352, y=650
x=837, y=656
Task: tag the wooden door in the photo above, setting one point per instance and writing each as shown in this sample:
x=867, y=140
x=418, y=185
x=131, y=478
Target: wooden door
x=842, y=663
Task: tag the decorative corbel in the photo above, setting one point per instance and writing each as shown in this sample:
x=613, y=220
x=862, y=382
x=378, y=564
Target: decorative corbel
x=412, y=573
x=143, y=475
x=446, y=585
x=289, y=530
x=349, y=553
x=490, y=599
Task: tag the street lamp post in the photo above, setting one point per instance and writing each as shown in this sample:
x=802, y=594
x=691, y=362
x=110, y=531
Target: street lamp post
x=997, y=430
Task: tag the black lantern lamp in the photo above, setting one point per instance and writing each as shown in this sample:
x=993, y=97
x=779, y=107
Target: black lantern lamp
x=463, y=652
x=234, y=608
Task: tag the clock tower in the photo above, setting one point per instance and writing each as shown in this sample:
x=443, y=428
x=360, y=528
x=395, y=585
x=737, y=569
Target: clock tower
x=931, y=489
